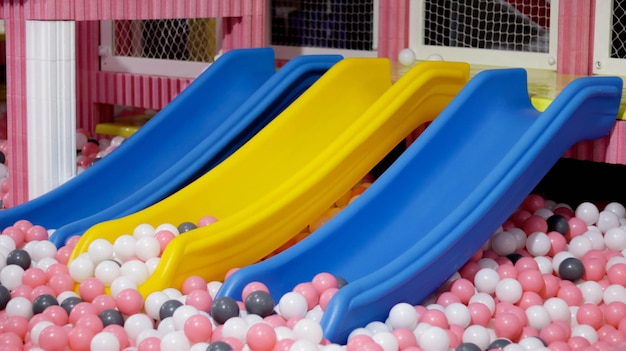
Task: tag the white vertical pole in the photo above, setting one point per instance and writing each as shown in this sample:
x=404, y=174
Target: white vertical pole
x=51, y=104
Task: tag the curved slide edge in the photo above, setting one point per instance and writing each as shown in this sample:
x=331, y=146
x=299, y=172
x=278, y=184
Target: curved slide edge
x=162, y=142
x=441, y=200
x=278, y=92
x=289, y=173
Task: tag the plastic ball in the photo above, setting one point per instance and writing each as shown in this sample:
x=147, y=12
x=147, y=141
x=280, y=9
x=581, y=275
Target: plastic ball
x=615, y=239
x=198, y=328
x=224, y=308
x=124, y=247
x=406, y=57
x=468, y=346
x=219, y=346
x=81, y=268
x=292, y=305
x=111, y=317
x=558, y=223
x=588, y=212
x=260, y=303
x=168, y=307
x=509, y=290
x=261, y=337
x=571, y=269
x=186, y=226
x=20, y=258
x=104, y=341
x=136, y=270
x=153, y=303
x=538, y=244
x=69, y=303
x=53, y=338
x=175, y=341
x=120, y=284
x=41, y=302
x=5, y=297
x=100, y=250
x=403, y=315
x=147, y=247
x=486, y=280
x=142, y=230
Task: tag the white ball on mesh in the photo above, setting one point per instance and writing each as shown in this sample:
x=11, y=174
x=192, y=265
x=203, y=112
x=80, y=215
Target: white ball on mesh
x=406, y=57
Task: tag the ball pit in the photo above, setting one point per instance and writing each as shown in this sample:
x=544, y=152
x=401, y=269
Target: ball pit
x=552, y=277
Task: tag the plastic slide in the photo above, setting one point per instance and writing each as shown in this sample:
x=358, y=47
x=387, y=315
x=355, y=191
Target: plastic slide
x=439, y=202
x=233, y=99
x=293, y=170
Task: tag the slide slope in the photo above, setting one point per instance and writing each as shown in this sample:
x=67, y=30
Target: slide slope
x=214, y=140
x=167, y=137
x=437, y=204
x=293, y=170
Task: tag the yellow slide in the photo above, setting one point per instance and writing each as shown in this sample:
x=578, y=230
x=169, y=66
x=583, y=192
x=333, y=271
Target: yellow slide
x=293, y=170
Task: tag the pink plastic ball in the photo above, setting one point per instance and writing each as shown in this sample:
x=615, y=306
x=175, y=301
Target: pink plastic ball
x=614, y=312
x=261, y=337
x=535, y=223
x=119, y=333
x=533, y=202
x=198, y=328
x=103, y=302
x=616, y=274
x=90, y=288
x=480, y=313
x=80, y=338
x=252, y=287
x=200, y=299
x=15, y=324
x=164, y=237
x=435, y=318
x=53, y=338
x=34, y=277
x=531, y=280
x=558, y=243
x=283, y=345
x=594, y=268
x=309, y=292
x=446, y=298
x=90, y=321
x=553, y=333
x=326, y=296
x=57, y=315
x=324, y=281
x=63, y=254
x=206, y=220
x=151, y=343
x=129, y=302
x=193, y=283
x=36, y=233
x=463, y=288
x=405, y=337
x=10, y=341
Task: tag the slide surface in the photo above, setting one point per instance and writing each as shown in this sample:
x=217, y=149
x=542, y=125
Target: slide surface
x=293, y=170
x=436, y=205
x=233, y=99
x=210, y=134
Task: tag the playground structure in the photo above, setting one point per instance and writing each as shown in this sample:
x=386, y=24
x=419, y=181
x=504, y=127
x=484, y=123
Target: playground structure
x=75, y=92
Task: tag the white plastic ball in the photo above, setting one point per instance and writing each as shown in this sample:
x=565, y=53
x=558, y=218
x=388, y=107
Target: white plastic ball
x=386, y=340
x=182, y=314
x=200, y=346
x=117, y=140
x=614, y=260
x=520, y=237
x=283, y=333
x=457, y=313
x=406, y=57
x=592, y=292
x=509, y=290
x=607, y=220
x=104, y=341
x=306, y=329
x=81, y=268
x=107, y=271
x=587, y=332
x=172, y=293
x=544, y=264
x=7, y=242
x=122, y=283
x=292, y=305
x=376, y=327
x=596, y=238
x=147, y=247
x=617, y=208
x=486, y=262
x=303, y=345
x=81, y=140
x=124, y=247
x=478, y=335
x=213, y=287
x=545, y=213
x=166, y=326
x=613, y=293
x=538, y=244
x=175, y=341
x=142, y=230
x=11, y=276
x=19, y=306
x=513, y=347
x=135, y=324
x=35, y=332
x=558, y=309
x=579, y=246
x=64, y=295
x=315, y=314
x=100, y=250
x=136, y=270
x=434, y=57
x=45, y=263
x=152, y=264
x=359, y=331
x=588, y=212
x=43, y=249
x=531, y=344
x=485, y=299
x=403, y=315
x=615, y=239
x=486, y=280
x=503, y=243
x=434, y=339
x=558, y=258
x=538, y=317
x=147, y=333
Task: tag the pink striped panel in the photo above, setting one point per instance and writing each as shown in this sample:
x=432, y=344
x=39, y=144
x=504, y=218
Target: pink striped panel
x=393, y=27
x=575, y=37
x=87, y=39
x=134, y=90
x=610, y=149
x=136, y=9
x=16, y=101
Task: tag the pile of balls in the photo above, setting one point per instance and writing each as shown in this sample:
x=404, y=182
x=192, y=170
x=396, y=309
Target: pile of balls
x=552, y=277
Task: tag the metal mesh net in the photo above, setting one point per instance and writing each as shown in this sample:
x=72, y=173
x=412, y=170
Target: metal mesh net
x=338, y=24
x=618, y=30
x=171, y=39
x=514, y=25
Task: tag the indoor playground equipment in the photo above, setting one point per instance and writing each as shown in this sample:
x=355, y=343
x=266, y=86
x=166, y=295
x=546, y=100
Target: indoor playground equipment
x=221, y=110
x=441, y=200
x=293, y=170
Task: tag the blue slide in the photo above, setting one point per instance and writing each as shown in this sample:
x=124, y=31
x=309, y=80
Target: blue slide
x=436, y=205
x=216, y=114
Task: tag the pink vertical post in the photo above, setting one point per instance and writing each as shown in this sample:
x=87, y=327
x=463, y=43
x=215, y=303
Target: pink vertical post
x=87, y=38
x=393, y=29
x=575, y=37
x=15, y=27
